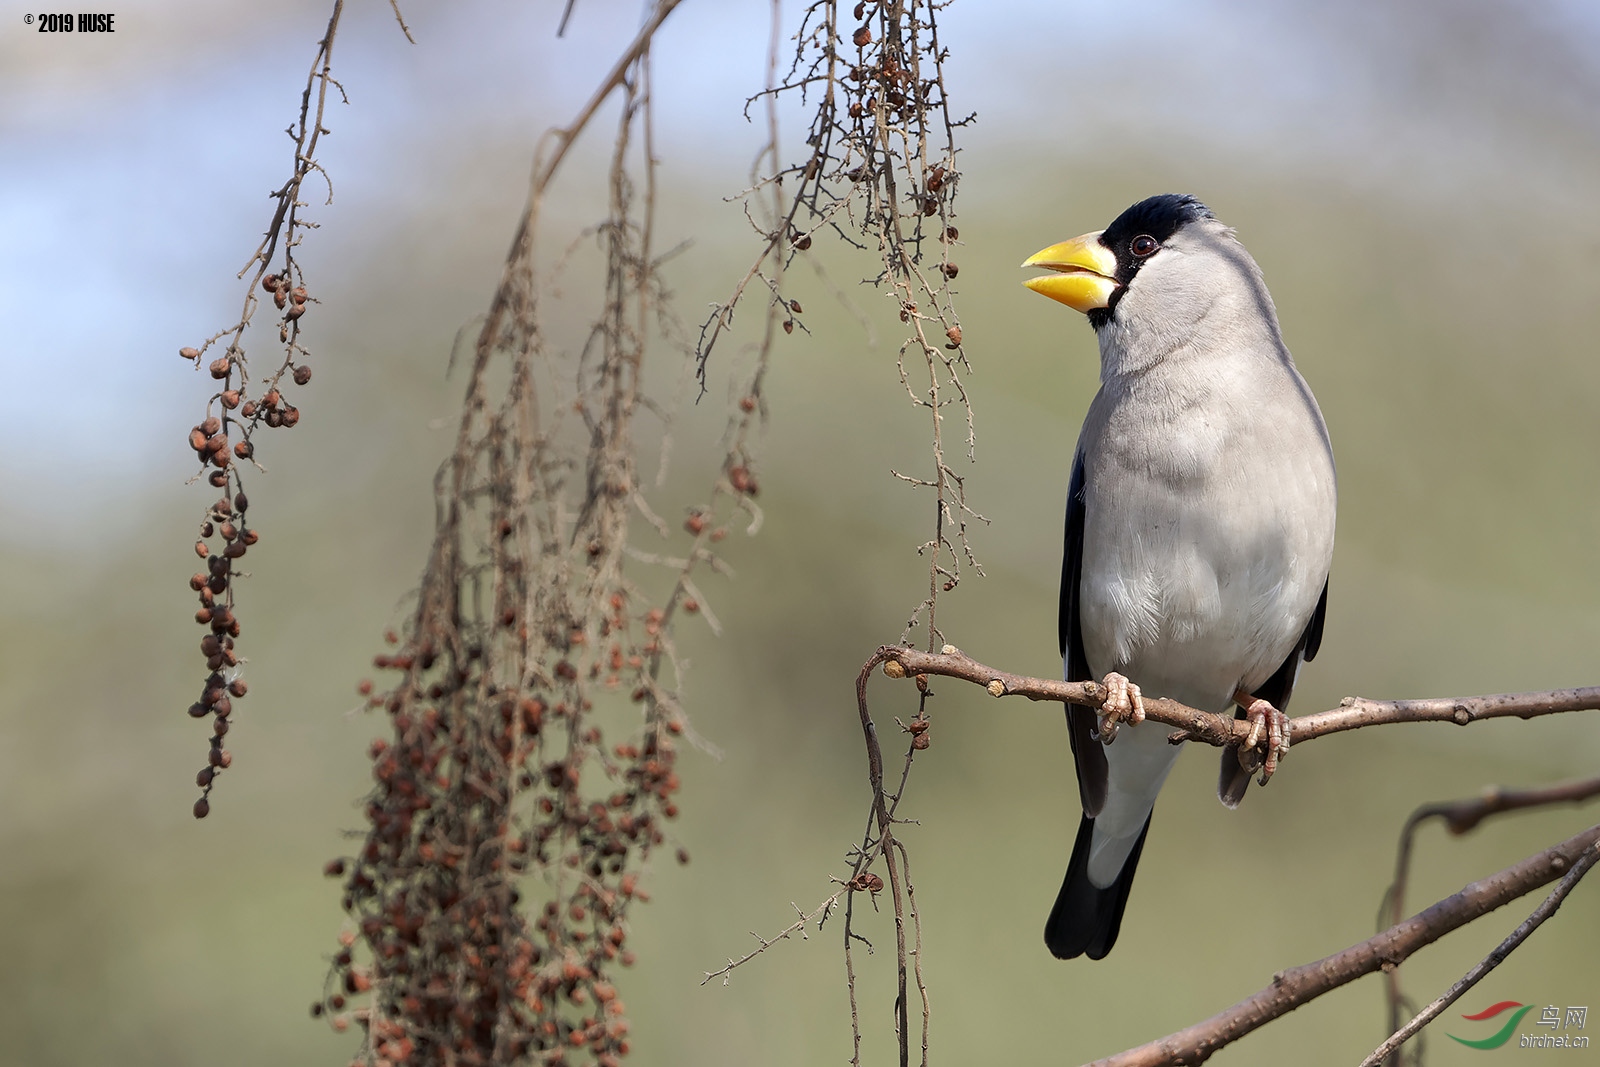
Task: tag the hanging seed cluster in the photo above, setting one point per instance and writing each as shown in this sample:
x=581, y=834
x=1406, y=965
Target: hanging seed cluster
x=528, y=774
x=224, y=439
x=223, y=442
x=465, y=970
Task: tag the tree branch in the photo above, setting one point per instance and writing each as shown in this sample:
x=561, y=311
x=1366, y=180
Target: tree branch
x=1195, y=725
x=1292, y=988
x=1546, y=908
x=1460, y=816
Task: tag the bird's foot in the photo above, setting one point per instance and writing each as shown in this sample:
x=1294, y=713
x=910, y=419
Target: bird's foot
x=1268, y=740
x=1124, y=703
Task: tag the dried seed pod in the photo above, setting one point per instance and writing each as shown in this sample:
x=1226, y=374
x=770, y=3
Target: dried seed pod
x=228, y=531
x=954, y=333
x=274, y=417
x=279, y=299
x=197, y=711
x=201, y=550
x=221, y=367
x=220, y=727
x=862, y=36
x=230, y=398
x=211, y=426
x=272, y=398
x=302, y=374
x=210, y=645
x=189, y=353
x=294, y=312
x=291, y=415
x=241, y=502
x=952, y=234
x=794, y=306
x=250, y=537
x=197, y=582
x=234, y=550
x=197, y=440
x=244, y=449
x=203, y=616
x=223, y=707
x=202, y=808
x=238, y=687
x=219, y=479
x=950, y=269
x=203, y=779
x=216, y=583
x=222, y=507
x=298, y=294
x=788, y=326
x=272, y=283
x=249, y=409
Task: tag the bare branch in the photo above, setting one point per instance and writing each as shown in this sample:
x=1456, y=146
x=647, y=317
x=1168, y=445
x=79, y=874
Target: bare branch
x=1300, y=985
x=1546, y=908
x=1460, y=816
x=819, y=913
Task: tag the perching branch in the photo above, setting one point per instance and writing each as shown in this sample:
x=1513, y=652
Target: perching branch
x=1195, y=725
x=1292, y=988
x=1546, y=908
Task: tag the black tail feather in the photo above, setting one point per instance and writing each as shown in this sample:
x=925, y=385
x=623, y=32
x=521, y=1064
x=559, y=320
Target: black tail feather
x=1086, y=918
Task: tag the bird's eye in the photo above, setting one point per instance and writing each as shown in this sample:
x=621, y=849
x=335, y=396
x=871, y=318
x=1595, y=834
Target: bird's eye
x=1145, y=245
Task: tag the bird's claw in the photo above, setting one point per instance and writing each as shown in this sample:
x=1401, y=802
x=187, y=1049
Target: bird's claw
x=1124, y=703
x=1268, y=741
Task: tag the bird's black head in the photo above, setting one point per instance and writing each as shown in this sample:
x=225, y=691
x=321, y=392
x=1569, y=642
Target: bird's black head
x=1138, y=233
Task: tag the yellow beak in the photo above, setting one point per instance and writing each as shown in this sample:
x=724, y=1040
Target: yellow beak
x=1085, y=272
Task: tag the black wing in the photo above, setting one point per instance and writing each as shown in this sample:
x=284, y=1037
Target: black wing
x=1087, y=752
x=1234, y=779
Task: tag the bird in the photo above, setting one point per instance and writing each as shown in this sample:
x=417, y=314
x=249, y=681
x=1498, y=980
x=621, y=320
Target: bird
x=1199, y=529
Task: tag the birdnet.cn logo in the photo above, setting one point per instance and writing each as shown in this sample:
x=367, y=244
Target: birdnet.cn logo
x=1562, y=1024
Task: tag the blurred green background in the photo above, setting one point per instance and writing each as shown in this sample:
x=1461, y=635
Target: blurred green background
x=1418, y=184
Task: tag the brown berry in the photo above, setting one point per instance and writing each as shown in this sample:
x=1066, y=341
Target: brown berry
x=202, y=808
x=302, y=374
x=189, y=353
x=249, y=409
x=241, y=502
x=221, y=367
x=250, y=537
x=230, y=398
x=954, y=333
x=238, y=687
x=201, y=550
x=197, y=440
x=211, y=427
x=950, y=269
x=298, y=294
x=863, y=36
x=294, y=312
x=244, y=449
x=279, y=299
x=219, y=479
x=203, y=616
x=291, y=415
x=203, y=779
x=272, y=283
x=197, y=582
x=198, y=711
